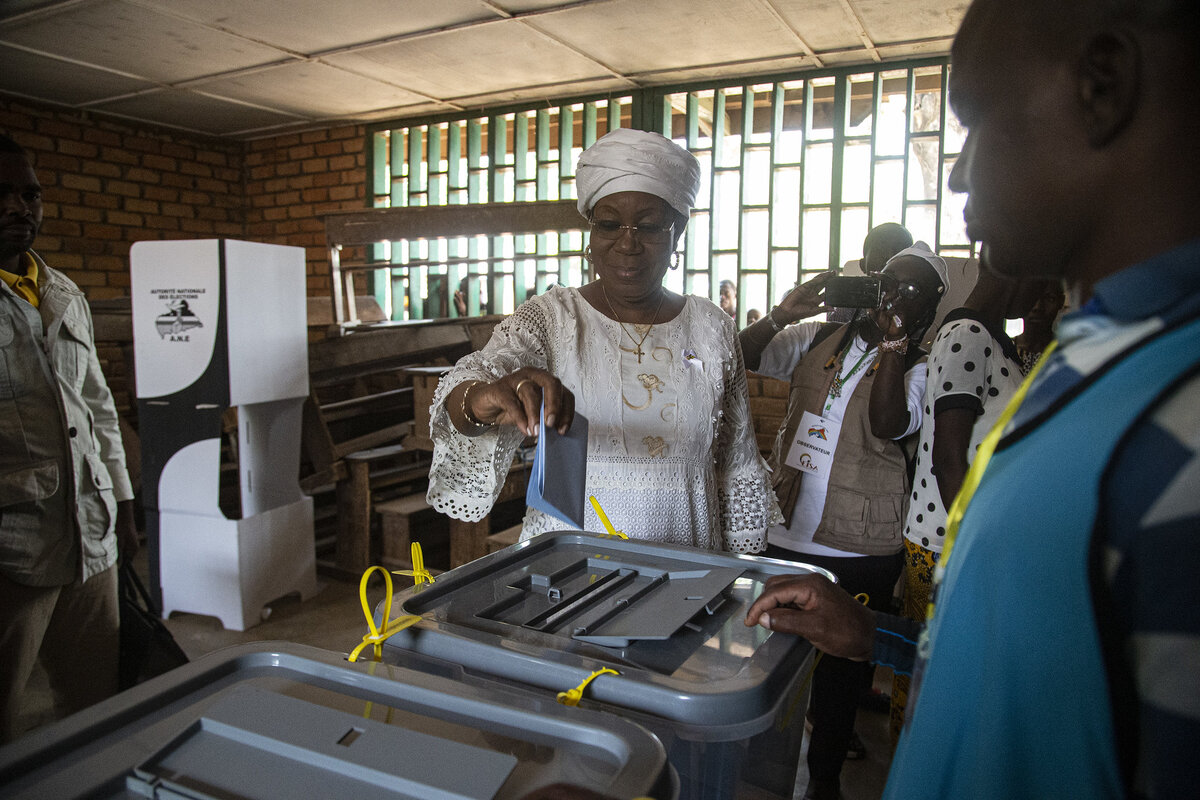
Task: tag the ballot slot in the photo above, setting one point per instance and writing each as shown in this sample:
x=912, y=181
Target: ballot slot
x=564, y=609
x=659, y=609
x=611, y=603
x=531, y=596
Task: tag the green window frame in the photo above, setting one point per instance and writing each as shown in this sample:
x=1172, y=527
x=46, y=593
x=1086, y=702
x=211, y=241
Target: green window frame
x=795, y=169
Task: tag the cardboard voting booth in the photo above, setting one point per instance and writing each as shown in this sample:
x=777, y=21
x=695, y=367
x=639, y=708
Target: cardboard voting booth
x=220, y=324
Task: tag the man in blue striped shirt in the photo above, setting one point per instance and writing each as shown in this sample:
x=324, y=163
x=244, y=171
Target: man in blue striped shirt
x=1062, y=653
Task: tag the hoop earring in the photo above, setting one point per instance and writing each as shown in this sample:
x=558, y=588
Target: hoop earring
x=587, y=254
x=675, y=260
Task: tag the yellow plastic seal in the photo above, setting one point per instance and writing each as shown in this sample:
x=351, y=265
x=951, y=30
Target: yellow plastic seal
x=608, y=526
x=418, y=573
x=375, y=635
x=571, y=697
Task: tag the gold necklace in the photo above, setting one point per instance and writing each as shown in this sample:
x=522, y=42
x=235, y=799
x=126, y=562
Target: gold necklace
x=637, y=342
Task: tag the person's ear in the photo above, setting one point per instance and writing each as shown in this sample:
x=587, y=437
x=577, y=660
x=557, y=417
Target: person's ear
x=1109, y=78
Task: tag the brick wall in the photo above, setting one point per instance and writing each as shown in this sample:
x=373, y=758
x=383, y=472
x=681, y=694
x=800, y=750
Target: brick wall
x=109, y=184
x=768, y=407
x=292, y=181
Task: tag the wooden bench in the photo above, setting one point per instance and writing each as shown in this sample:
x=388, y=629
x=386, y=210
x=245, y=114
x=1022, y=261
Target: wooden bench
x=503, y=539
x=424, y=384
x=359, y=426
x=409, y=518
x=352, y=437
x=768, y=408
x=468, y=540
x=358, y=422
x=369, y=472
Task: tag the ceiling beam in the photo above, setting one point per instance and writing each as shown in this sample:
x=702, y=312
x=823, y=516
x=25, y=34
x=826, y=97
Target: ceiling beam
x=805, y=48
x=860, y=28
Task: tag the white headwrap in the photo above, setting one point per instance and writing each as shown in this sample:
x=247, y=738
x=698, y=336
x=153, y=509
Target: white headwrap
x=625, y=160
x=922, y=251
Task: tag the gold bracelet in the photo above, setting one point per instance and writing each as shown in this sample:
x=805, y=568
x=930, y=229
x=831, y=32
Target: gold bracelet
x=467, y=415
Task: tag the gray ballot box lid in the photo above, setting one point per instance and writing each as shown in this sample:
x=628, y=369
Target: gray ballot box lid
x=275, y=720
x=548, y=612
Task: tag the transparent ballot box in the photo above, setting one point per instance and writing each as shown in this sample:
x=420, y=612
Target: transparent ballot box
x=274, y=720
x=544, y=615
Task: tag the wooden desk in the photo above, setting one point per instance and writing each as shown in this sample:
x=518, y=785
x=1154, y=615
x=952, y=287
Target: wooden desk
x=468, y=540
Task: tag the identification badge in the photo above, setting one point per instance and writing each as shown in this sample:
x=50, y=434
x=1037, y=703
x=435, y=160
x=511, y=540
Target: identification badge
x=812, y=450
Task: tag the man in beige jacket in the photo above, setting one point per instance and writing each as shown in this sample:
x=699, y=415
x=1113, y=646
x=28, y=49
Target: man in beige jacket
x=65, y=495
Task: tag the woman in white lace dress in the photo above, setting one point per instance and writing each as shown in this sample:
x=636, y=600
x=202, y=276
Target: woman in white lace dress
x=672, y=455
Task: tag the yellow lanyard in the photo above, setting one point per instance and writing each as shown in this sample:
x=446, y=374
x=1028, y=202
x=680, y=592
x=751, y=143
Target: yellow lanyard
x=982, y=455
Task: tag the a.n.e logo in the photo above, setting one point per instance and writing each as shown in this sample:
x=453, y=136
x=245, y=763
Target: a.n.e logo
x=176, y=322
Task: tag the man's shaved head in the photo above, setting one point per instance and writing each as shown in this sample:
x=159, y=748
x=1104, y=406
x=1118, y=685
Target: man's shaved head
x=1080, y=157
x=1059, y=23
x=883, y=242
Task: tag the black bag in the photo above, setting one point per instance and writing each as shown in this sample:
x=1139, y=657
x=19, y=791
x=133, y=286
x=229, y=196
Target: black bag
x=147, y=648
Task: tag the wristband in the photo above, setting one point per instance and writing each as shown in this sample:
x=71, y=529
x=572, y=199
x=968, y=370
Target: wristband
x=466, y=412
x=894, y=346
x=771, y=319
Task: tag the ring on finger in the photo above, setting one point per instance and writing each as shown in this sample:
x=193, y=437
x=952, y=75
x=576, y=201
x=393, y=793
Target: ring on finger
x=520, y=383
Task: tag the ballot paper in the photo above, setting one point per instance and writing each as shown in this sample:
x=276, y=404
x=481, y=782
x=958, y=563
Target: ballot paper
x=556, y=485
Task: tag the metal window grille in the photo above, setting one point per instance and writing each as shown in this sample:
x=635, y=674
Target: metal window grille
x=794, y=171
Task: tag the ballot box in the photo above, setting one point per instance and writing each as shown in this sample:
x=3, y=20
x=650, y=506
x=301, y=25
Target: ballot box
x=221, y=324
x=276, y=721
x=542, y=616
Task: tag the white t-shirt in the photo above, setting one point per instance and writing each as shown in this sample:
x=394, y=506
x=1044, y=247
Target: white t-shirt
x=778, y=360
x=969, y=367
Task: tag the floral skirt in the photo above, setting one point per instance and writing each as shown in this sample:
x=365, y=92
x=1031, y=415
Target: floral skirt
x=918, y=584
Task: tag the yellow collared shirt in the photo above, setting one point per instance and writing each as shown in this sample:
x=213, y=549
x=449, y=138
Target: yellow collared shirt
x=26, y=286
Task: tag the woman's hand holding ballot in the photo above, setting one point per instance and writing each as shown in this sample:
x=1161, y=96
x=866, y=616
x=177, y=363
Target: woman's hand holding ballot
x=516, y=399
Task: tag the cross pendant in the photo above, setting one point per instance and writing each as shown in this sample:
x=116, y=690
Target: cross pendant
x=639, y=353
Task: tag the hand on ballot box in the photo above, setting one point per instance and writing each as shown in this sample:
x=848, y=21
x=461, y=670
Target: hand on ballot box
x=816, y=608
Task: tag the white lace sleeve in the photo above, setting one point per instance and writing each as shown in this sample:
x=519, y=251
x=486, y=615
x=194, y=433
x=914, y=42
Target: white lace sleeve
x=747, y=503
x=467, y=472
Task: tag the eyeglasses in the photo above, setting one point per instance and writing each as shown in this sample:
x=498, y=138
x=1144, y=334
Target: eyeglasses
x=908, y=291
x=609, y=229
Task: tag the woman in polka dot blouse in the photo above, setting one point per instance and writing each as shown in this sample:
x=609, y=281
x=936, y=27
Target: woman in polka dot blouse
x=974, y=369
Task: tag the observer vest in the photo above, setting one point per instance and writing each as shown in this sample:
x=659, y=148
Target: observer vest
x=868, y=484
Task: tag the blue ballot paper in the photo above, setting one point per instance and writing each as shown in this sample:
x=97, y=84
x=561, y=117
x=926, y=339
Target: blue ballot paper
x=556, y=484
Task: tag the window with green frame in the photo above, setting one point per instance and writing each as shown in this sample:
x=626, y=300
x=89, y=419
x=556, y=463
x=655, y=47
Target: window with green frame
x=794, y=171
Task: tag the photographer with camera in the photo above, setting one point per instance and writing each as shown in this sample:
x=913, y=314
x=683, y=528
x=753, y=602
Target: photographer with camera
x=838, y=469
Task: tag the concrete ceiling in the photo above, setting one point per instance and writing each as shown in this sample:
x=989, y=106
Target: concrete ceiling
x=250, y=68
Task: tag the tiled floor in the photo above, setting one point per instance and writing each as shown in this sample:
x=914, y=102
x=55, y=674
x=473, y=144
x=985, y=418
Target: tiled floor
x=333, y=620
